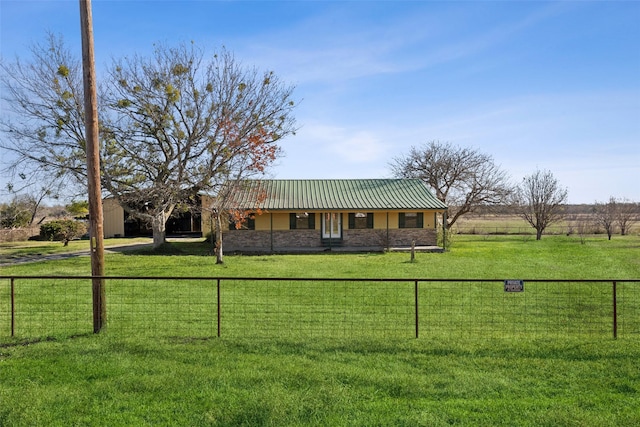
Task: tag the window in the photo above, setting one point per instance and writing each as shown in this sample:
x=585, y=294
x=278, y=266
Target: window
x=360, y=220
x=411, y=220
x=302, y=221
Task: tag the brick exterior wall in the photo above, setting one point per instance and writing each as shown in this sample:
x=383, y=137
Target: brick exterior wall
x=252, y=241
x=403, y=237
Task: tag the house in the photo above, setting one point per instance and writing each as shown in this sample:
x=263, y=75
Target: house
x=330, y=214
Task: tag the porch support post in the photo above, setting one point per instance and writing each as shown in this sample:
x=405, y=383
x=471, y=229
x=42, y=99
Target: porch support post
x=271, y=230
x=444, y=230
x=388, y=242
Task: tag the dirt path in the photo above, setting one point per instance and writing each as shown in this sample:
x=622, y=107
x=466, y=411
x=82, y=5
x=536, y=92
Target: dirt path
x=7, y=261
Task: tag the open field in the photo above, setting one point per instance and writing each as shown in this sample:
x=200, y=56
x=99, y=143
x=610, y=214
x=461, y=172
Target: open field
x=578, y=224
x=132, y=379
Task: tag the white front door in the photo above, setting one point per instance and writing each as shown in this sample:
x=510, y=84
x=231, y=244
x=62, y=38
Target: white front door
x=331, y=225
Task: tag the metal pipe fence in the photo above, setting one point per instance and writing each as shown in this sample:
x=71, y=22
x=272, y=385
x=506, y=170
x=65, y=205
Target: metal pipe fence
x=36, y=307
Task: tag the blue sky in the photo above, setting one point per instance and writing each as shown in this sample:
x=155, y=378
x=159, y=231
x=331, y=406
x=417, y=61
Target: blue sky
x=537, y=85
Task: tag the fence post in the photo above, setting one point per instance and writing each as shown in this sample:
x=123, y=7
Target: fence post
x=218, y=296
x=13, y=308
x=416, y=305
x=615, y=310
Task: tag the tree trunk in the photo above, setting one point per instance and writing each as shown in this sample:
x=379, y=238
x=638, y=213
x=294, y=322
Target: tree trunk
x=159, y=230
x=538, y=234
x=219, y=255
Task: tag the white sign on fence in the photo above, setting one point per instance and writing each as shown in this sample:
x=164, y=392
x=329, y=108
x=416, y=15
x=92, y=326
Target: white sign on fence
x=514, y=285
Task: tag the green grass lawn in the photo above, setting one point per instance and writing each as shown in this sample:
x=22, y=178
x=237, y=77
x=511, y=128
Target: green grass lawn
x=114, y=381
x=132, y=379
x=557, y=257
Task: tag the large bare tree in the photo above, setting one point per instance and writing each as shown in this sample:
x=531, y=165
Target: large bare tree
x=173, y=124
x=540, y=199
x=183, y=124
x=463, y=178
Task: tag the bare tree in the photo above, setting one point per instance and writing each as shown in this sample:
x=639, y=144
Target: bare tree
x=626, y=213
x=183, y=125
x=173, y=124
x=605, y=215
x=582, y=227
x=463, y=178
x=44, y=124
x=32, y=188
x=540, y=200
x=233, y=205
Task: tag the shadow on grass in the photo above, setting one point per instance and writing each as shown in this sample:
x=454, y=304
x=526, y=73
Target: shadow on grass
x=500, y=349
x=205, y=248
x=199, y=248
x=23, y=342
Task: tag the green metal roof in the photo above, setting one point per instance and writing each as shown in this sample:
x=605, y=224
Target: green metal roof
x=336, y=194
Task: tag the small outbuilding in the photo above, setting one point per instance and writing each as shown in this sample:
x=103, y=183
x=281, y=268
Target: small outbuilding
x=118, y=223
x=310, y=215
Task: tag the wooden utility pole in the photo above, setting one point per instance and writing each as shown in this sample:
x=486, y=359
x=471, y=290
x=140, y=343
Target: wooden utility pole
x=96, y=231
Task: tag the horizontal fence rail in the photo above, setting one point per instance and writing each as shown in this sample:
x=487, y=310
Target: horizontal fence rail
x=35, y=307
